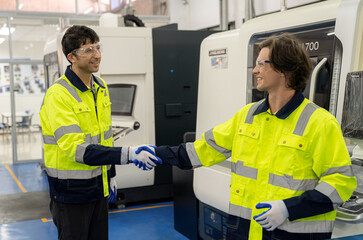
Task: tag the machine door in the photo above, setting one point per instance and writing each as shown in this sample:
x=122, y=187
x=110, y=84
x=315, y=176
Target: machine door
x=51, y=69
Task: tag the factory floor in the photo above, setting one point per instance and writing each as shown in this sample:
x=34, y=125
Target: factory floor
x=24, y=210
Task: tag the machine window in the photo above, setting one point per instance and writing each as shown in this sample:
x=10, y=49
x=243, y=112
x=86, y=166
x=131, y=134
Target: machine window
x=122, y=97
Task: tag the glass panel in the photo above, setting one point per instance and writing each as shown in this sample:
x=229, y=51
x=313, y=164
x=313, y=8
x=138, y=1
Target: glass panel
x=8, y=5
x=29, y=92
x=4, y=43
x=150, y=7
x=48, y=5
x=28, y=41
x=6, y=152
x=29, y=37
x=141, y=7
x=93, y=6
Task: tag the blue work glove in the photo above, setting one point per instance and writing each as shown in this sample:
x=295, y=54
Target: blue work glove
x=113, y=191
x=144, y=157
x=274, y=216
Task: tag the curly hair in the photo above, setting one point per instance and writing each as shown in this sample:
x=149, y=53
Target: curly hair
x=76, y=36
x=288, y=55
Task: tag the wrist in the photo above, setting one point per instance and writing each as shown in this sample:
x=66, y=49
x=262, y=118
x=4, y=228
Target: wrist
x=132, y=154
x=284, y=211
x=128, y=155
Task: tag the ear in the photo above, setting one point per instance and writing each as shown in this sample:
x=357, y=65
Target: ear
x=282, y=75
x=71, y=57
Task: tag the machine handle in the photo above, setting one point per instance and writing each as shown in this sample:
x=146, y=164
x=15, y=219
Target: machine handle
x=136, y=125
x=123, y=131
x=314, y=76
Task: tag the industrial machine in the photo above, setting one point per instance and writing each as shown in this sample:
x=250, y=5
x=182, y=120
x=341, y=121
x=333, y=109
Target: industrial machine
x=352, y=126
x=332, y=32
x=176, y=67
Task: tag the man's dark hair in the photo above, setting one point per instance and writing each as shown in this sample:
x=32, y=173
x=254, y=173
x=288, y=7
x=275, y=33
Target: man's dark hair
x=76, y=36
x=288, y=55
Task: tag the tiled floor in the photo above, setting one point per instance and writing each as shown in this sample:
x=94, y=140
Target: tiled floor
x=150, y=221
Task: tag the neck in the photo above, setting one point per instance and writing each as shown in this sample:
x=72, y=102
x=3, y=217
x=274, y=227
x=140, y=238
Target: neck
x=278, y=99
x=85, y=77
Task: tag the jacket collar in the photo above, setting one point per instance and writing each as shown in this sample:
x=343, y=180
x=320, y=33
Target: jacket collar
x=77, y=82
x=286, y=110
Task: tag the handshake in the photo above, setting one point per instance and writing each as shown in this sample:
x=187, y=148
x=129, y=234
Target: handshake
x=144, y=157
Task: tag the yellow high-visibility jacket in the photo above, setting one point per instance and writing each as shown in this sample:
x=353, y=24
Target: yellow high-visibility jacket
x=78, y=139
x=295, y=155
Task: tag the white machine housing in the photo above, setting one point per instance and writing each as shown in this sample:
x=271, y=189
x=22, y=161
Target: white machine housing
x=225, y=90
x=128, y=59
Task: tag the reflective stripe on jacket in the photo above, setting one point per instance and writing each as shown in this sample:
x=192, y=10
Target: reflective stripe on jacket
x=278, y=159
x=71, y=122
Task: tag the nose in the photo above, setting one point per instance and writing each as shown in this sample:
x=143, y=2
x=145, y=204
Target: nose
x=255, y=70
x=97, y=54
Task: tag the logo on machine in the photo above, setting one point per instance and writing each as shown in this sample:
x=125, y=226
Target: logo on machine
x=355, y=74
x=217, y=52
x=312, y=46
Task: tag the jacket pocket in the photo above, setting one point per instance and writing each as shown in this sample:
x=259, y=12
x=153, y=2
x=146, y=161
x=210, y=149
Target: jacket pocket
x=80, y=108
x=237, y=191
x=106, y=112
x=292, y=156
x=83, y=113
x=246, y=142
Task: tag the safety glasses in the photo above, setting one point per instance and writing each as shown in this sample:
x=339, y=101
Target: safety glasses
x=261, y=63
x=89, y=51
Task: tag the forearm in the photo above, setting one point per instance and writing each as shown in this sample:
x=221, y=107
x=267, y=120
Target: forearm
x=96, y=155
x=176, y=156
x=310, y=203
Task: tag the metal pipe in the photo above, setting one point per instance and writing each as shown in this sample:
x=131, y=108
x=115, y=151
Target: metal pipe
x=283, y=6
x=63, y=23
x=223, y=14
x=77, y=7
x=238, y=15
x=249, y=10
x=12, y=96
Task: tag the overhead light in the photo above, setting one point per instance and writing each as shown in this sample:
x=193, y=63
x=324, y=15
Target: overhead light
x=2, y=40
x=5, y=30
x=88, y=10
x=21, y=5
x=331, y=33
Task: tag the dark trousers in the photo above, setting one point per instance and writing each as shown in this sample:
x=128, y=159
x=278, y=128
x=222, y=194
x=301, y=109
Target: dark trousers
x=238, y=228
x=87, y=221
